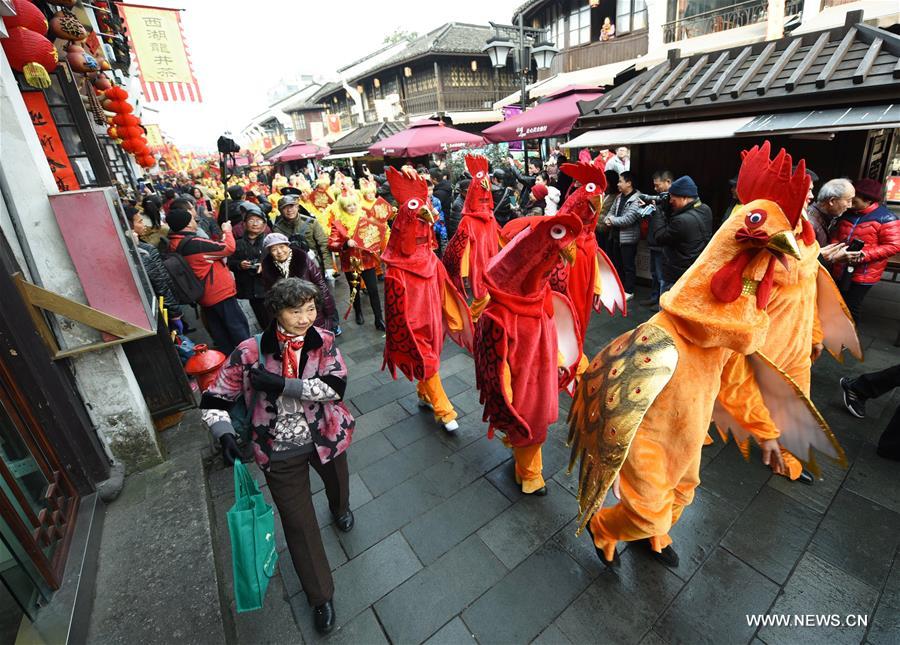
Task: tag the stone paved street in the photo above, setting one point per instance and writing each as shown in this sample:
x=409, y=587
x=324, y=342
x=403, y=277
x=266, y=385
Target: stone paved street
x=446, y=550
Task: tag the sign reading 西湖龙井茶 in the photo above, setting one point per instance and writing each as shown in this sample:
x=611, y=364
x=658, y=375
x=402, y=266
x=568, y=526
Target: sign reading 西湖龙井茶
x=157, y=42
x=51, y=143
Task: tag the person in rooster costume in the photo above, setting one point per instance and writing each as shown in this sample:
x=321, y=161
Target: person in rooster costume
x=526, y=344
x=373, y=205
x=321, y=200
x=806, y=315
x=477, y=238
x=359, y=241
x=421, y=304
x=643, y=406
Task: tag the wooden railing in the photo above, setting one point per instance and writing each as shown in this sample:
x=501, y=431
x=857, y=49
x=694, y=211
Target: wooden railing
x=600, y=53
x=737, y=15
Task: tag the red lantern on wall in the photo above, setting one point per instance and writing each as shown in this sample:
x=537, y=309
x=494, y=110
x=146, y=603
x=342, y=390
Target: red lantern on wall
x=28, y=16
x=32, y=54
x=116, y=94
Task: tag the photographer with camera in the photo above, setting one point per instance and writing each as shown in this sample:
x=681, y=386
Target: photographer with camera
x=682, y=232
x=662, y=181
x=245, y=264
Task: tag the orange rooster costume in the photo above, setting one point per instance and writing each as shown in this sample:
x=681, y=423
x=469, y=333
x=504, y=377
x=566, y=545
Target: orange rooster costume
x=642, y=409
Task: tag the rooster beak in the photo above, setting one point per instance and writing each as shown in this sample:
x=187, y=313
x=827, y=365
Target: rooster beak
x=786, y=243
x=426, y=215
x=596, y=202
x=568, y=253
x=485, y=184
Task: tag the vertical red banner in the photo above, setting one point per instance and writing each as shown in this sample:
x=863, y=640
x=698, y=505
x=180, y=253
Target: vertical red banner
x=45, y=126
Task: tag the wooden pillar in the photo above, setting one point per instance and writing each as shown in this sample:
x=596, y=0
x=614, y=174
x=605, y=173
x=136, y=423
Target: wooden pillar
x=440, y=87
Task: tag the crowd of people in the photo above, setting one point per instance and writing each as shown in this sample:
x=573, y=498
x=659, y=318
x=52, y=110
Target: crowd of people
x=510, y=264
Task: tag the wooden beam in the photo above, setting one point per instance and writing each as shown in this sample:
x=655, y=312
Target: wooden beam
x=707, y=75
x=649, y=85
x=724, y=78
x=667, y=82
x=836, y=58
x=897, y=69
x=807, y=61
x=779, y=66
x=865, y=65
x=37, y=318
x=753, y=70
x=683, y=83
x=624, y=95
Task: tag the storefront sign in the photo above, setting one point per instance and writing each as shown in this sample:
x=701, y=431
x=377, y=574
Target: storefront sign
x=157, y=42
x=510, y=111
x=892, y=189
x=155, y=141
x=51, y=143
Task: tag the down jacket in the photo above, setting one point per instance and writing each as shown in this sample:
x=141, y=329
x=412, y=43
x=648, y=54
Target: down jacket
x=624, y=217
x=880, y=230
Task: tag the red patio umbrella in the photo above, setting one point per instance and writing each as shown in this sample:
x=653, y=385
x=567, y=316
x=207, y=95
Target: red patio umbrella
x=300, y=150
x=552, y=118
x=424, y=137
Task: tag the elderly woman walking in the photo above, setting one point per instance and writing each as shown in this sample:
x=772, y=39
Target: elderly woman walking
x=292, y=379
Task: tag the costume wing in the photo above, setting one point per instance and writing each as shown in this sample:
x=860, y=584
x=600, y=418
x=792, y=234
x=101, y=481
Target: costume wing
x=835, y=319
x=456, y=316
x=456, y=259
x=400, y=349
x=611, y=400
x=611, y=295
x=566, y=322
x=493, y=379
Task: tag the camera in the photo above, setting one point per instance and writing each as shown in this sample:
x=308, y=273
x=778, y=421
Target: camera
x=227, y=146
x=655, y=203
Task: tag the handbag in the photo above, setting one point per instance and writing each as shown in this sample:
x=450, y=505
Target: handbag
x=251, y=524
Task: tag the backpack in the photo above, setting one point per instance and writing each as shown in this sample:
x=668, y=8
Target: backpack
x=241, y=416
x=187, y=286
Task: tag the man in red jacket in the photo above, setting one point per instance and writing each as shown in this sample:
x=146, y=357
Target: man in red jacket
x=870, y=221
x=224, y=318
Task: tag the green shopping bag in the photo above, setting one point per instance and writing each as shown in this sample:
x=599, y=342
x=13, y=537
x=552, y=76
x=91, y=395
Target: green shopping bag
x=251, y=523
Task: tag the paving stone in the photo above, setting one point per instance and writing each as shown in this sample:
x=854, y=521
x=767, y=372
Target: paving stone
x=503, y=477
x=272, y=624
x=885, y=627
x=582, y=548
x=363, y=580
x=485, y=454
x=367, y=451
x=359, y=495
x=512, y=611
x=359, y=385
x=859, y=537
x=710, y=452
x=437, y=531
x=459, y=363
x=333, y=551
x=652, y=638
x=403, y=464
x=453, y=633
x=410, y=403
x=418, y=607
x=727, y=590
x=552, y=636
x=531, y=521
x=820, y=589
x=468, y=402
x=450, y=475
x=732, y=478
x=411, y=428
x=386, y=514
x=378, y=419
x=699, y=530
x=818, y=497
x=471, y=428
x=364, y=628
x=772, y=534
x=636, y=594
x=875, y=479
x=381, y=395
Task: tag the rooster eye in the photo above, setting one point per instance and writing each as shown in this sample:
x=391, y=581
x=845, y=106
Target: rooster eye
x=755, y=218
x=413, y=204
x=591, y=187
x=479, y=174
x=558, y=232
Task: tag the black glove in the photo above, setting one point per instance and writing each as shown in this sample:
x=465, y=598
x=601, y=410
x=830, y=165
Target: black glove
x=263, y=380
x=230, y=451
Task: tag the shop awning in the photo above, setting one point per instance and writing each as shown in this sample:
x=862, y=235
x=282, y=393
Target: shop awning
x=660, y=133
x=346, y=155
x=300, y=150
x=423, y=138
x=552, y=118
x=831, y=120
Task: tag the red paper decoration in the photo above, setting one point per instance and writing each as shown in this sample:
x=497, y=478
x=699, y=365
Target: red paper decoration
x=116, y=94
x=32, y=54
x=126, y=119
x=28, y=16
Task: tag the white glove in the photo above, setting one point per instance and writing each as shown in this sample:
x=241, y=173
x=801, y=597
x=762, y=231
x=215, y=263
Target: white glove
x=312, y=256
x=329, y=274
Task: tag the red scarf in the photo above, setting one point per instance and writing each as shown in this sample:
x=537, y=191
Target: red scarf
x=290, y=352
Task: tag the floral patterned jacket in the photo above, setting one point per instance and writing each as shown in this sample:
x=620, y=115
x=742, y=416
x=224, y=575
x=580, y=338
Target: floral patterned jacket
x=330, y=422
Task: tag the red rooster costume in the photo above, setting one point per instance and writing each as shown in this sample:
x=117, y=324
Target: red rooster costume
x=477, y=239
x=526, y=345
x=421, y=304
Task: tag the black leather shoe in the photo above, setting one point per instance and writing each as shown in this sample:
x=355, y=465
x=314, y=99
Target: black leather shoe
x=806, y=477
x=359, y=318
x=379, y=325
x=344, y=522
x=610, y=564
x=324, y=617
x=667, y=556
x=540, y=492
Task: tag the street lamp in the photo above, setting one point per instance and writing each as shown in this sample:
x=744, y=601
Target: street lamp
x=498, y=49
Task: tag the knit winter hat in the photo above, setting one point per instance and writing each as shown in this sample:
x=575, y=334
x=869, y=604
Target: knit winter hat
x=869, y=189
x=177, y=219
x=539, y=191
x=275, y=238
x=684, y=187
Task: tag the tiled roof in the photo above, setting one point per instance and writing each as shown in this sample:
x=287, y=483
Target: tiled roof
x=854, y=63
x=364, y=136
x=327, y=89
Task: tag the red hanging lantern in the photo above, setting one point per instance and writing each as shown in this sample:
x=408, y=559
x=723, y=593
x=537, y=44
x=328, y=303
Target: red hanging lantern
x=116, y=93
x=32, y=54
x=64, y=24
x=131, y=145
x=126, y=119
x=28, y=16
x=129, y=131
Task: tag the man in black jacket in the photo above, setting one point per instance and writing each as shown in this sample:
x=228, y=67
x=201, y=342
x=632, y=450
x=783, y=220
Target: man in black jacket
x=245, y=265
x=683, y=232
x=502, y=195
x=443, y=190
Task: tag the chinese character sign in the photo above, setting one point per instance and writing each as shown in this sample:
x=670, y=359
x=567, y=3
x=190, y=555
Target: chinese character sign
x=51, y=143
x=157, y=42
x=155, y=141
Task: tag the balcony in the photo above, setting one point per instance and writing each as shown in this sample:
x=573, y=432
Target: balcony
x=598, y=53
x=473, y=99
x=724, y=18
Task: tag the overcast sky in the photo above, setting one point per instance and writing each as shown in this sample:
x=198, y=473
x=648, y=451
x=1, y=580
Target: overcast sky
x=240, y=50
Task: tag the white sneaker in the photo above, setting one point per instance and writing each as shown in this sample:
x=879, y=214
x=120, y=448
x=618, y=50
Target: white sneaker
x=628, y=296
x=451, y=426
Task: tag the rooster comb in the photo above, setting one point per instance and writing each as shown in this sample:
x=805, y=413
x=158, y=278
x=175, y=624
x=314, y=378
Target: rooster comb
x=585, y=173
x=474, y=163
x=405, y=187
x=764, y=178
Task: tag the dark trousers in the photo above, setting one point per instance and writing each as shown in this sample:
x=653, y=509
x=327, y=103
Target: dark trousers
x=872, y=385
x=288, y=482
x=656, y=267
x=624, y=257
x=227, y=324
x=258, y=305
x=853, y=296
x=369, y=279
